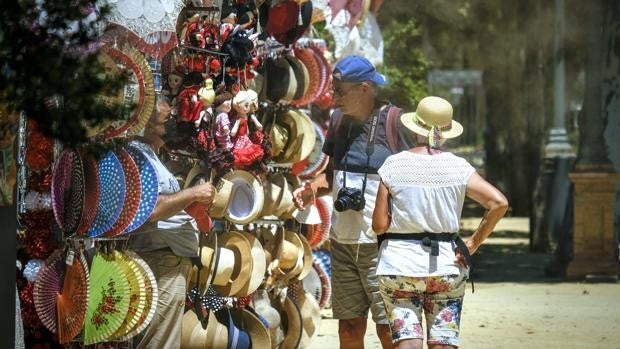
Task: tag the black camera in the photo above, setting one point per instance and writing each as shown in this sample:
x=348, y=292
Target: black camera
x=349, y=199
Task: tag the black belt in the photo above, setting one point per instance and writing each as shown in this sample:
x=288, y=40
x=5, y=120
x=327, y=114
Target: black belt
x=430, y=240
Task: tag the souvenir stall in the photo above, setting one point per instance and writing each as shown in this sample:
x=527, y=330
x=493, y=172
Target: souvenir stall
x=241, y=78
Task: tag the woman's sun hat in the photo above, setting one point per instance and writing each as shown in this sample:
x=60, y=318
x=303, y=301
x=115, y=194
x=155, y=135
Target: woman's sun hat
x=433, y=119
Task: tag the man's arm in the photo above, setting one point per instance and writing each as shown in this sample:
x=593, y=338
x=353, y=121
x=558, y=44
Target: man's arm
x=321, y=185
x=170, y=204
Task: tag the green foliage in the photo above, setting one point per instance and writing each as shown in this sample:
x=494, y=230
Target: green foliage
x=49, y=67
x=404, y=64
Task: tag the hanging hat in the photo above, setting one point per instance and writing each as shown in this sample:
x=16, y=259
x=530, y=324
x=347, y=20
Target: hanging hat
x=149, y=186
x=291, y=256
x=261, y=303
x=282, y=17
x=223, y=189
x=285, y=201
x=310, y=316
x=433, y=119
x=204, y=270
x=238, y=338
x=301, y=76
x=247, y=197
x=71, y=303
x=67, y=190
x=307, y=250
x=247, y=320
x=133, y=190
x=272, y=185
x=112, y=195
x=91, y=193
x=243, y=264
x=109, y=299
x=259, y=265
x=195, y=334
x=152, y=295
x=280, y=84
x=315, y=72
x=287, y=198
x=291, y=321
x=295, y=132
x=279, y=137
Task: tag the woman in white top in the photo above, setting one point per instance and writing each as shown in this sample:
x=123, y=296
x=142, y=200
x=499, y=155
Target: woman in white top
x=423, y=263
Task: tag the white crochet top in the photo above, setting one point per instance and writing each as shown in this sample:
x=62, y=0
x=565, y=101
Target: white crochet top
x=427, y=193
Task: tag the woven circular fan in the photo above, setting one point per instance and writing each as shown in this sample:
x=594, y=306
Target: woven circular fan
x=139, y=90
x=149, y=187
x=91, y=193
x=132, y=193
x=137, y=301
x=109, y=299
x=48, y=283
x=152, y=295
x=111, y=196
x=326, y=288
x=326, y=76
x=67, y=190
x=71, y=303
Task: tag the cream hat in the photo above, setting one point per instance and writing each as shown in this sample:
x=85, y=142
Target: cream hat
x=246, y=201
x=432, y=119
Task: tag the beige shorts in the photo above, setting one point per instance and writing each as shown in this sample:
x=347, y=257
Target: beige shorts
x=355, y=288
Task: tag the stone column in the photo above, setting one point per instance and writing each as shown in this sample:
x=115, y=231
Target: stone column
x=594, y=179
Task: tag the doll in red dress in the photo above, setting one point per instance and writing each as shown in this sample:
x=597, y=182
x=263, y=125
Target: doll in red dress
x=245, y=151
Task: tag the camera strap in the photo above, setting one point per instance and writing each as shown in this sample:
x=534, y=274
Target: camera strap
x=369, y=150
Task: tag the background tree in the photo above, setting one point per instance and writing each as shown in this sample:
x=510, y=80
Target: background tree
x=49, y=67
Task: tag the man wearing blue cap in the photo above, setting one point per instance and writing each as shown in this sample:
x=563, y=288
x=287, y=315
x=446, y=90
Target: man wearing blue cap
x=358, y=142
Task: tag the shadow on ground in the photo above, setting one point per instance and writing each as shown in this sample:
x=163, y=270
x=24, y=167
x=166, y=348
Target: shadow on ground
x=506, y=257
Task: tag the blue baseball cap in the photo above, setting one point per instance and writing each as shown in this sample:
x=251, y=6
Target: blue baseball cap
x=357, y=69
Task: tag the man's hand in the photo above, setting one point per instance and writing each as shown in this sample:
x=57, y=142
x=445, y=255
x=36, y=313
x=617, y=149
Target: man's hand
x=203, y=192
x=302, y=196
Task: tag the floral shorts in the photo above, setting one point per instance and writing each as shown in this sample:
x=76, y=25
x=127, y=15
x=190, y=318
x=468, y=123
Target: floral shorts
x=440, y=298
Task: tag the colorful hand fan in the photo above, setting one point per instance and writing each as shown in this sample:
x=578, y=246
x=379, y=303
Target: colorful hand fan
x=91, y=193
x=149, y=187
x=109, y=299
x=111, y=196
x=137, y=301
x=152, y=295
x=132, y=193
x=71, y=303
x=48, y=283
x=67, y=190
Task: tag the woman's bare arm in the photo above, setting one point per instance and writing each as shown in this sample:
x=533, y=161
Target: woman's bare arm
x=494, y=203
x=381, y=216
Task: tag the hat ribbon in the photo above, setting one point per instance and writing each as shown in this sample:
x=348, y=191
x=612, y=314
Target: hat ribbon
x=434, y=132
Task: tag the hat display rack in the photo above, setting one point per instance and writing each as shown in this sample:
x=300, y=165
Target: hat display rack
x=100, y=192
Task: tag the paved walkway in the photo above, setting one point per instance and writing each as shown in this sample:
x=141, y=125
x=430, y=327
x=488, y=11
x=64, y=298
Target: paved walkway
x=516, y=306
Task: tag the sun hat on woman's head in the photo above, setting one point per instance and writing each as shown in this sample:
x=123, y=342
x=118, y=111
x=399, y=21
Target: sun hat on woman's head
x=433, y=119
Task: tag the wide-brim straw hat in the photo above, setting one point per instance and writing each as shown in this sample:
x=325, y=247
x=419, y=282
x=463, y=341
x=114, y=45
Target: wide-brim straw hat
x=259, y=265
x=272, y=187
x=247, y=198
x=301, y=75
x=242, y=271
x=432, y=113
x=248, y=321
x=307, y=266
x=292, y=322
x=310, y=315
x=195, y=336
x=279, y=137
x=262, y=304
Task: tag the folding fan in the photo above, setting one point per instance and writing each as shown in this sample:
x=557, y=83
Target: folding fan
x=152, y=295
x=48, y=283
x=132, y=193
x=67, y=190
x=111, y=195
x=71, y=303
x=149, y=186
x=109, y=299
x=137, y=301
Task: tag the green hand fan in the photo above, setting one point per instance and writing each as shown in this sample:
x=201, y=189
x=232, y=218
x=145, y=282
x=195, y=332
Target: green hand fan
x=110, y=294
x=137, y=301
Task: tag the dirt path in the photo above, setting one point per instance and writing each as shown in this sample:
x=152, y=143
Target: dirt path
x=516, y=306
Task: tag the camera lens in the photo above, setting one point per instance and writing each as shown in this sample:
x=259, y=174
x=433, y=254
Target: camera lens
x=342, y=204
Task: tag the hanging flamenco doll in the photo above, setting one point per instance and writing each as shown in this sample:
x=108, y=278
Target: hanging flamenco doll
x=246, y=153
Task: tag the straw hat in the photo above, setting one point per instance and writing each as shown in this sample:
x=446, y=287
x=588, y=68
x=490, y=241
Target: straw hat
x=307, y=250
x=196, y=335
x=432, y=118
x=247, y=197
x=291, y=321
x=249, y=321
x=301, y=75
x=272, y=188
x=309, y=136
x=243, y=263
x=310, y=315
x=261, y=303
x=221, y=200
x=292, y=251
x=279, y=137
x=259, y=265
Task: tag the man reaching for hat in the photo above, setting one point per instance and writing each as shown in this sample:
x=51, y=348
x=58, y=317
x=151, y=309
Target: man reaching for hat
x=357, y=142
x=168, y=239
